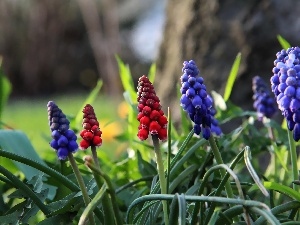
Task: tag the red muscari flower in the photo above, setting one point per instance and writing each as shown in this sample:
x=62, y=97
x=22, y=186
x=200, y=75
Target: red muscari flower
x=91, y=133
x=151, y=117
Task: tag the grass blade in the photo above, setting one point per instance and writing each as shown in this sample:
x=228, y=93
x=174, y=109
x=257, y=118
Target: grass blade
x=282, y=189
x=89, y=100
x=284, y=43
x=152, y=73
x=232, y=76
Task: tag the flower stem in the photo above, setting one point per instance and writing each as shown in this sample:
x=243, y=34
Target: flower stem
x=219, y=160
x=161, y=174
x=113, y=198
x=108, y=209
x=81, y=185
x=293, y=155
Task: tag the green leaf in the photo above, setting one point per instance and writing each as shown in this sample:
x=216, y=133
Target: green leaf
x=37, y=182
x=145, y=168
x=152, y=73
x=232, y=76
x=17, y=142
x=283, y=189
x=89, y=100
x=66, y=204
x=5, y=89
x=62, y=219
x=11, y=218
x=126, y=78
x=284, y=43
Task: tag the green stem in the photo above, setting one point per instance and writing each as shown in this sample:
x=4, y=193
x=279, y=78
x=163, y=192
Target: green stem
x=92, y=205
x=219, y=160
x=24, y=188
x=109, y=215
x=81, y=185
x=293, y=154
x=161, y=174
x=110, y=189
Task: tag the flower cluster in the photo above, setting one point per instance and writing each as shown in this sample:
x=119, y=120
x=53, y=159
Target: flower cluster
x=286, y=87
x=64, y=139
x=91, y=132
x=194, y=99
x=151, y=117
x=264, y=103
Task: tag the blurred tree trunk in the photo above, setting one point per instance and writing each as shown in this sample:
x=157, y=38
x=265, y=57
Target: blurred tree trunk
x=213, y=32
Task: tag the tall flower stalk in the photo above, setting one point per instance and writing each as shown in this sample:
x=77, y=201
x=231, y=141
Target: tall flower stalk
x=153, y=121
x=286, y=87
x=265, y=106
x=91, y=137
x=199, y=106
x=64, y=143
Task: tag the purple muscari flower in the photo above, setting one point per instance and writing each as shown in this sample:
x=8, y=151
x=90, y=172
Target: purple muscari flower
x=64, y=139
x=285, y=85
x=263, y=102
x=196, y=102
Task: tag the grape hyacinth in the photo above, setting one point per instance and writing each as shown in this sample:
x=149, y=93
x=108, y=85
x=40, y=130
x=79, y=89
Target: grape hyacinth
x=91, y=132
x=214, y=128
x=64, y=139
x=264, y=103
x=151, y=116
x=195, y=100
x=286, y=87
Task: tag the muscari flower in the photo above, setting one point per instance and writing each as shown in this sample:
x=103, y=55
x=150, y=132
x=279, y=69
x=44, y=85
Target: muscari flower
x=264, y=103
x=91, y=132
x=196, y=102
x=214, y=127
x=64, y=139
x=286, y=87
x=151, y=116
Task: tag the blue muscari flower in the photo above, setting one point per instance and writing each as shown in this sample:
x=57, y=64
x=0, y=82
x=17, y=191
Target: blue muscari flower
x=285, y=85
x=196, y=102
x=64, y=139
x=215, y=128
x=264, y=103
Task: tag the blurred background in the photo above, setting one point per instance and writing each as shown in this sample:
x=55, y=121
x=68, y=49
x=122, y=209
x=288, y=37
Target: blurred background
x=63, y=46
x=57, y=50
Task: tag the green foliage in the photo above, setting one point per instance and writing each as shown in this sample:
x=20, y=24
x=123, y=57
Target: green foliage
x=284, y=43
x=127, y=190
x=232, y=76
x=5, y=89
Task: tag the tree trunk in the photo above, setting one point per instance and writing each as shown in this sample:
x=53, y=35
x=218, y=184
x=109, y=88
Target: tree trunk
x=213, y=32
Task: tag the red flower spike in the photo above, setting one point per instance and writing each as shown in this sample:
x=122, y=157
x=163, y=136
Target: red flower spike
x=155, y=115
x=86, y=126
x=143, y=134
x=83, y=132
x=95, y=128
x=97, y=141
x=88, y=136
x=163, y=121
x=163, y=134
x=145, y=121
x=151, y=117
x=91, y=134
x=85, y=120
x=154, y=127
x=98, y=133
x=140, y=115
x=146, y=110
x=84, y=144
